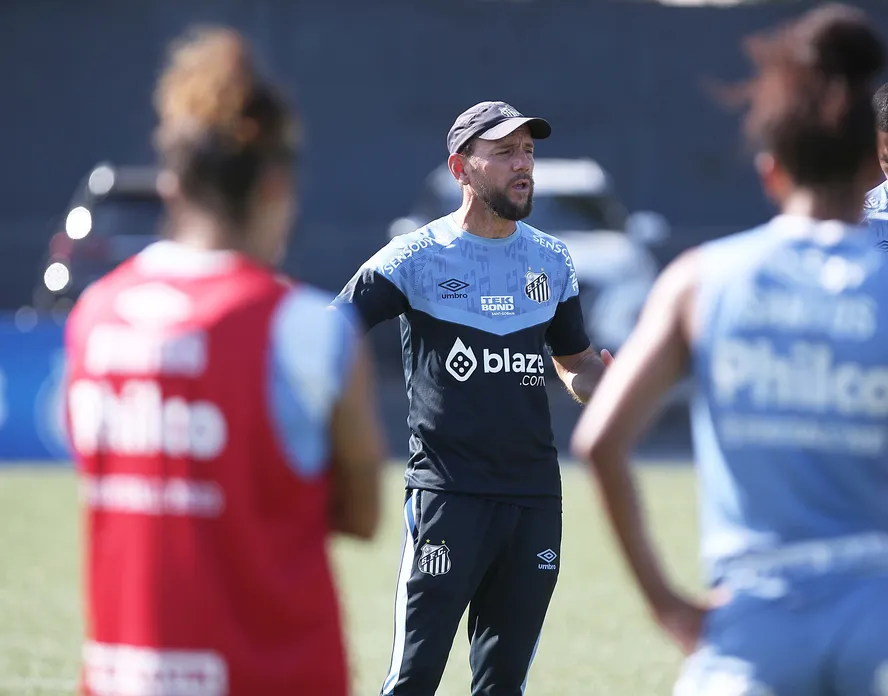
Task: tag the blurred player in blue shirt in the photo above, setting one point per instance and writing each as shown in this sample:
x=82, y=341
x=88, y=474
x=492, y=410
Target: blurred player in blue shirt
x=785, y=328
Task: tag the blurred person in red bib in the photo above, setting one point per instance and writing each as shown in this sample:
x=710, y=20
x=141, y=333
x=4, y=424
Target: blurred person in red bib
x=221, y=416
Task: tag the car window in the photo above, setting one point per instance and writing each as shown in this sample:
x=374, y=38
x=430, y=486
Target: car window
x=126, y=215
x=554, y=213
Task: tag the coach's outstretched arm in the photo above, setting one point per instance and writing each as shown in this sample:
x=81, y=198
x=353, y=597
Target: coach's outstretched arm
x=576, y=362
x=358, y=451
x=649, y=363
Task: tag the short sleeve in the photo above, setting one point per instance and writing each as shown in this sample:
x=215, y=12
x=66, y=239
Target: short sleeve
x=372, y=297
x=566, y=334
x=380, y=289
x=312, y=354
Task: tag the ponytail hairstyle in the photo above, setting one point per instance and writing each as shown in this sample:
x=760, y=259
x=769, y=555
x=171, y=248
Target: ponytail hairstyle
x=811, y=102
x=221, y=125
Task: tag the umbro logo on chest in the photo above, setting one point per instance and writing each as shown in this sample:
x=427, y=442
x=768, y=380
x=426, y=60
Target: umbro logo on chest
x=453, y=289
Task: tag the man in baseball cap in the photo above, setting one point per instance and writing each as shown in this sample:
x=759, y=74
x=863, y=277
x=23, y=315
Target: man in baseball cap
x=482, y=297
x=491, y=156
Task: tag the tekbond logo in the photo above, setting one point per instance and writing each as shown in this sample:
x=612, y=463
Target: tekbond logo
x=498, y=305
x=529, y=367
x=510, y=111
x=454, y=288
x=547, y=556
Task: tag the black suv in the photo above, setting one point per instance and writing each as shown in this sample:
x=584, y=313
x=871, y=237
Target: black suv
x=115, y=213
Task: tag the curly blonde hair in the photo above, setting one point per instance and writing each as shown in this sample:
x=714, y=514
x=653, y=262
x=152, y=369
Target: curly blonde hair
x=220, y=124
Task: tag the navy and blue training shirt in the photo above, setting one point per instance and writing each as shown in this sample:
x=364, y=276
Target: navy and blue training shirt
x=875, y=215
x=476, y=315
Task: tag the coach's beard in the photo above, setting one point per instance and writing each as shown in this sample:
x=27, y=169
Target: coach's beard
x=499, y=204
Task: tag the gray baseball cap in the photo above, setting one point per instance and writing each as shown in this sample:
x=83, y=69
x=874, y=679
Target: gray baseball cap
x=492, y=120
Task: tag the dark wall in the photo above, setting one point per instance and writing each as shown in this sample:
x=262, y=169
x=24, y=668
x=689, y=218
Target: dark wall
x=379, y=84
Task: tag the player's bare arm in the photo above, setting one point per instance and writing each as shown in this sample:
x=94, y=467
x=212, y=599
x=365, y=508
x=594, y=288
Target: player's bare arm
x=581, y=372
x=653, y=359
x=358, y=452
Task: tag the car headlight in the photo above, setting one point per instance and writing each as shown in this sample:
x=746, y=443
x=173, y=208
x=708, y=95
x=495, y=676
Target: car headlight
x=56, y=277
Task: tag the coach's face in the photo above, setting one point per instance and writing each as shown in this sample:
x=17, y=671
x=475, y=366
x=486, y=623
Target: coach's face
x=882, y=144
x=500, y=172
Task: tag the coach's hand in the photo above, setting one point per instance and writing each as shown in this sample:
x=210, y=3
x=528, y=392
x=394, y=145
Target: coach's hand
x=606, y=357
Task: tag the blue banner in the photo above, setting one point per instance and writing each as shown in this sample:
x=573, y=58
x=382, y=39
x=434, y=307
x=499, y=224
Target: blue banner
x=32, y=425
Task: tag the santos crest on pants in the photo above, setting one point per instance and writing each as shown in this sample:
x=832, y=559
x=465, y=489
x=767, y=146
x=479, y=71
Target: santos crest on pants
x=434, y=559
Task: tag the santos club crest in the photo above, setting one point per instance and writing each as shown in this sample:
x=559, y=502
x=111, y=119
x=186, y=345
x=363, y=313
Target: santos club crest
x=537, y=287
x=434, y=559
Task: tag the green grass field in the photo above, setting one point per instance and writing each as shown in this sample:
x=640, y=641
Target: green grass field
x=597, y=638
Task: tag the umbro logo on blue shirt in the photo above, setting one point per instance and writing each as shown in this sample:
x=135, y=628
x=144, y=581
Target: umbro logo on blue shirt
x=453, y=285
x=454, y=288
